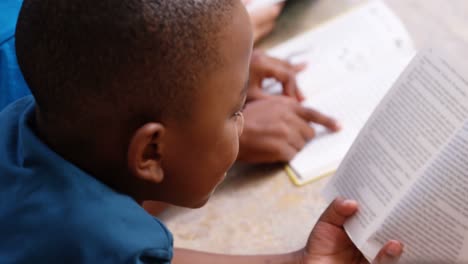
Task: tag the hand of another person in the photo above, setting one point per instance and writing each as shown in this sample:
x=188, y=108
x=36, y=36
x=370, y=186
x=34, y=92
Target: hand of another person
x=276, y=128
x=329, y=243
x=263, y=66
x=264, y=19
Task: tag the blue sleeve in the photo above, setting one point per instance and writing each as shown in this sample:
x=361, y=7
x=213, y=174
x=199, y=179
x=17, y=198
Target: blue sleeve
x=105, y=243
x=152, y=256
x=121, y=240
x=163, y=253
x=12, y=84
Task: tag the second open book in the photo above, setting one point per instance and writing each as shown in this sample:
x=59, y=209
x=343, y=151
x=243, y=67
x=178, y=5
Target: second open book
x=408, y=167
x=352, y=62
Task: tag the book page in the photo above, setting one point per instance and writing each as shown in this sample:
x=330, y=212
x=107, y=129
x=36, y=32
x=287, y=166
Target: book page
x=410, y=135
x=352, y=62
x=432, y=217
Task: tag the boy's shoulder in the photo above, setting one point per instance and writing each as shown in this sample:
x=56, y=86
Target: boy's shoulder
x=9, y=10
x=52, y=212
x=12, y=83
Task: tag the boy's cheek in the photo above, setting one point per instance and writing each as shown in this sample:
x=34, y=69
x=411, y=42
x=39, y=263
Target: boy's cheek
x=226, y=153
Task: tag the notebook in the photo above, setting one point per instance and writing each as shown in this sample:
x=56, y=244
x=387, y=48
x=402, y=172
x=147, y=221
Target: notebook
x=353, y=60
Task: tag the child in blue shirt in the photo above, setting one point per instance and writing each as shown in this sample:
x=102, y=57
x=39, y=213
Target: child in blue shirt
x=133, y=101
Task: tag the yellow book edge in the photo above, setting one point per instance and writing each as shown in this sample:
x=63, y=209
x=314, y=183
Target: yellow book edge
x=294, y=178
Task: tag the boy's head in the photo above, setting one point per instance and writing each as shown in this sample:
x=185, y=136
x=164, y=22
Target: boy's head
x=143, y=94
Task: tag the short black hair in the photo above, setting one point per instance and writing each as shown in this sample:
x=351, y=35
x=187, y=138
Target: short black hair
x=81, y=55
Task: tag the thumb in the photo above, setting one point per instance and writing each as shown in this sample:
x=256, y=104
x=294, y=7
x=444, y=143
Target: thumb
x=338, y=211
x=390, y=253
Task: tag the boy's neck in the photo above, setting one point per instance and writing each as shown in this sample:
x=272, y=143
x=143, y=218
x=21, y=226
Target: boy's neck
x=90, y=156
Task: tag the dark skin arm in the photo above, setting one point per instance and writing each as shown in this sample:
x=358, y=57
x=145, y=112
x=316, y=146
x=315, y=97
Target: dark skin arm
x=327, y=244
x=183, y=256
x=264, y=19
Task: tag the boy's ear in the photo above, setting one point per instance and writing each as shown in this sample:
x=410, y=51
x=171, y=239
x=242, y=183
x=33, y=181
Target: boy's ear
x=144, y=153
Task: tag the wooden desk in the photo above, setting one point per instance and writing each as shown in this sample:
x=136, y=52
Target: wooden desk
x=258, y=210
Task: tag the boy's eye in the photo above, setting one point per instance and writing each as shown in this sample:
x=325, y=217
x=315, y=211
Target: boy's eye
x=240, y=110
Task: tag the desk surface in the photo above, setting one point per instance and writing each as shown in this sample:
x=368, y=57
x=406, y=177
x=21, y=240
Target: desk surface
x=259, y=210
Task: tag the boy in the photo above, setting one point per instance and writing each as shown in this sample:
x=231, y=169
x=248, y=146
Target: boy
x=261, y=142
x=133, y=100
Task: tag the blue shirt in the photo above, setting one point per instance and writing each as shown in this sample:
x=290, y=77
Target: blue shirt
x=12, y=84
x=53, y=212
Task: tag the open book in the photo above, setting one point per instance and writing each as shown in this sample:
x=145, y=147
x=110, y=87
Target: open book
x=408, y=168
x=352, y=62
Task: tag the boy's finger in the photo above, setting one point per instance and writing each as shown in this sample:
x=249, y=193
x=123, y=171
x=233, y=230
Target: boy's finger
x=296, y=68
x=296, y=122
x=289, y=71
x=288, y=66
x=256, y=94
x=292, y=69
x=282, y=71
x=338, y=211
x=290, y=87
x=284, y=76
x=299, y=95
x=390, y=253
x=315, y=116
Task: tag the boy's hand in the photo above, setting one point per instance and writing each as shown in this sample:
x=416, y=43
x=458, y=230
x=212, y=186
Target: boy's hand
x=263, y=66
x=276, y=128
x=264, y=19
x=329, y=243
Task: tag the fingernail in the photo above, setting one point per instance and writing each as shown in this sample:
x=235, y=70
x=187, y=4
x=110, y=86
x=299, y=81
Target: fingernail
x=349, y=202
x=301, y=66
x=337, y=125
x=393, y=250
